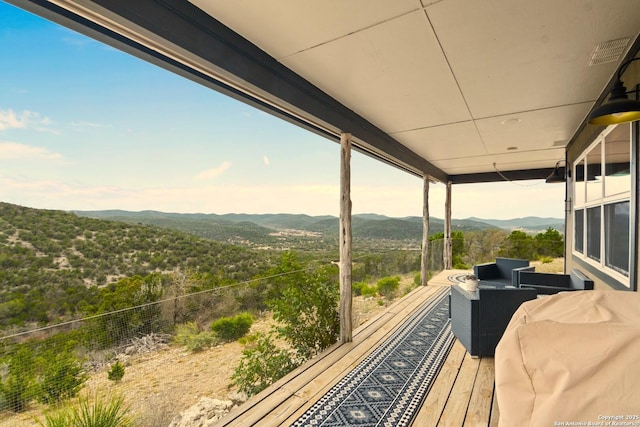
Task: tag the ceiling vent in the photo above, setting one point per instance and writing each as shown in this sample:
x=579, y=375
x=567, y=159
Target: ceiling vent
x=609, y=51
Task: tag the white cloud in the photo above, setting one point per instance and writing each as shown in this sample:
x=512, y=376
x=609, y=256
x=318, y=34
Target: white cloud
x=14, y=150
x=71, y=38
x=265, y=160
x=10, y=120
x=82, y=124
x=213, y=172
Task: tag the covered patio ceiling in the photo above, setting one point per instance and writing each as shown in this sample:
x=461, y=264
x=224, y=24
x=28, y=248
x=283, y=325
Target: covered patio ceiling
x=456, y=89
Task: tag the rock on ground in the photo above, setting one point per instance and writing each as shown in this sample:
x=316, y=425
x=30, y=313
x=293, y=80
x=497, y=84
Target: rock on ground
x=206, y=412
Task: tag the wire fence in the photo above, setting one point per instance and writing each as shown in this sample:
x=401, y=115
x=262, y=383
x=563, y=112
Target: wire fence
x=45, y=367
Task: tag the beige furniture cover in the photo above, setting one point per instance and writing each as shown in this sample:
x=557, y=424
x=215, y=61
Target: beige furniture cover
x=569, y=359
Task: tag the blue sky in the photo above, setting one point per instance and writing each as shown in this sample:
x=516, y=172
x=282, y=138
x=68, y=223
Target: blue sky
x=85, y=126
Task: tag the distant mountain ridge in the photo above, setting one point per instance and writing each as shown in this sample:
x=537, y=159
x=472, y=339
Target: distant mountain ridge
x=273, y=229
x=526, y=223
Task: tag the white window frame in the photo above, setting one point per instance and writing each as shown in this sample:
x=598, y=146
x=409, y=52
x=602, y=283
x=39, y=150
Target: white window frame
x=601, y=202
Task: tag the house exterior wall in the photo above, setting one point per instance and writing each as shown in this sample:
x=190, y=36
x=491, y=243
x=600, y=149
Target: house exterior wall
x=589, y=141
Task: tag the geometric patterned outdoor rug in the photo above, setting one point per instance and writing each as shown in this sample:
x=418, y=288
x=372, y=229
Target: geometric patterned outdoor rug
x=388, y=387
x=458, y=277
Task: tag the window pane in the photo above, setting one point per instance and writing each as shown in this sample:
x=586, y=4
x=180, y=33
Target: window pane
x=593, y=233
x=579, y=184
x=579, y=230
x=594, y=173
x=617, y=155
x=616, y=235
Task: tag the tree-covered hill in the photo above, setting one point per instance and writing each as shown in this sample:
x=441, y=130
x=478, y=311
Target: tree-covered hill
x=302, y=232
x=530, y=223
x=282, y=231
x=50, y=258
x=213, y=227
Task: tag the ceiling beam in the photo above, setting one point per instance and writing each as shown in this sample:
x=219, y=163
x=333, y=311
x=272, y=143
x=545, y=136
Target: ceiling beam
x=518, y=175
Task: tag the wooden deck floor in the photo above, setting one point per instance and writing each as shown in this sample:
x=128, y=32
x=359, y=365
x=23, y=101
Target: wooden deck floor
x=462, y=394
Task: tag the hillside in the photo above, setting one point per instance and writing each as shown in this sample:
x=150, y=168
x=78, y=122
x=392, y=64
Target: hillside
x=281, y=231
x=530, y=223
x=50, y=260
x=311, y=232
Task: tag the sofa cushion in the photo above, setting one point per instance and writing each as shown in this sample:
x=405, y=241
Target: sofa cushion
x=504, y=271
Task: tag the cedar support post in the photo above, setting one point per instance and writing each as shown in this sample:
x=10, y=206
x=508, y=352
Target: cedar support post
x=424, y=260
x=448, y=243
x=346, y=327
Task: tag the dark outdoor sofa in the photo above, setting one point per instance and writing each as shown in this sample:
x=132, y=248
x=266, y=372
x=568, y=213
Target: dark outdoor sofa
x=551, y=283
x=503, y=272
x=479, y=319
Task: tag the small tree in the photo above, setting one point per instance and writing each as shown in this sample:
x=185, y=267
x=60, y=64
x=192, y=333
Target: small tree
x=308, y=309
x=63, y=377
x=550, y=243
x=119, y=324
x=518, y=245
x=262, y=365
x=457, y=248
x=116, y=372
x=387, y=286
x=305, y=304
x=18, y=388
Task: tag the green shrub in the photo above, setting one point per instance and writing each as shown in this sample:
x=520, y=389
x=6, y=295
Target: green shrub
x=19, y=386
x=370, y=291
x=189, y=335
x=546, y=259
x=387, y=286
x=249, y=339
x=184, y=331
x=202, y=341
x=60, y=418
x=232, y=328
x=262, y=365
x=308, y=312
x=102, y=412
x=116, y=372
x=417, y=279
x=362, y=288
x=356, y=288
x=63, y=377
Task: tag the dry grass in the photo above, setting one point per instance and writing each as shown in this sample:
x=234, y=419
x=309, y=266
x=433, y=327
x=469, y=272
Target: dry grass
x=555, y=266
x=161, y=384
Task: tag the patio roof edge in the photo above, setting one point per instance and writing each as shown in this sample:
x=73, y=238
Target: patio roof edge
x=516, y=175
x=182, y=24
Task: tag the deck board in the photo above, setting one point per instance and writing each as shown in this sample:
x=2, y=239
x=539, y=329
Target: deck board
x=462, y=393
x=436, y=400
x=495, y=411
x=479, y=409
x=455, y=411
